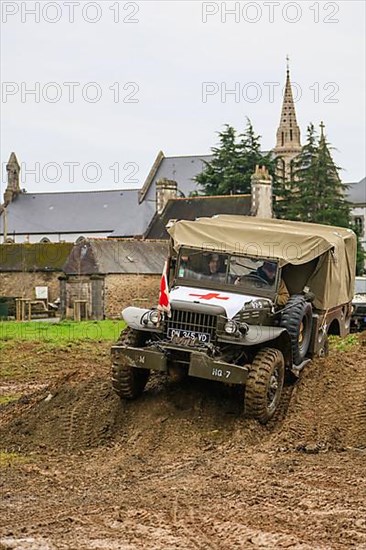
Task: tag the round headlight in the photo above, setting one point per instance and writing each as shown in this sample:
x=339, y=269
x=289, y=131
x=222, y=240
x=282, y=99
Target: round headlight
x=154, y=317
x=231, y=327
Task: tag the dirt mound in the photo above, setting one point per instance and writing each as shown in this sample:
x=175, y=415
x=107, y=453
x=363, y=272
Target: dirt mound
x=328, y=406
x=72, y=414
x=78, y=413
x=181, y=467
x=325, y=410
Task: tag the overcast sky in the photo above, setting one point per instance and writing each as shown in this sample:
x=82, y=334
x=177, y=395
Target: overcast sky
x=155, y=75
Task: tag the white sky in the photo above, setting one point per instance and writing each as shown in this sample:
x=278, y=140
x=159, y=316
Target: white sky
x=169, y=53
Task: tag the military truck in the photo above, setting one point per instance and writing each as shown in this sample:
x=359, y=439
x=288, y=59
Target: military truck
x=358, y=319
x=250, y=301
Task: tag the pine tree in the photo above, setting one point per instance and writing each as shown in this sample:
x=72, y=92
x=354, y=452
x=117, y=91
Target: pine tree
x=233, y=163
x=333, y=208
x=300, y=196
x=316, y=193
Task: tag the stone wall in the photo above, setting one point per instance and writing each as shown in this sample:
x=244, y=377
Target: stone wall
x=108, y=296
x=22, y=285
x=130, y=290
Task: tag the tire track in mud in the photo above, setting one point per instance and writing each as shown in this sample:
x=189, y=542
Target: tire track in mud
x=74, y=415
x=355, y=408
x=328, y=406
x=325, y=409
x=81, y=428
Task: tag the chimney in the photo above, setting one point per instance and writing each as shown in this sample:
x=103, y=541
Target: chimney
x=13, y=188
x=165, y=190
x=261, y=193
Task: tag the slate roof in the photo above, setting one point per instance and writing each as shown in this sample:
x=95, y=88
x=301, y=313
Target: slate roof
x=197, y=207
x=118, y=213
x=357, y=192
x=79, y=212
x=34, y=257
x=108, y=256
x=181, y=169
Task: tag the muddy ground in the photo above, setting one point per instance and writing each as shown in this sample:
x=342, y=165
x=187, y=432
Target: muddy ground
x=180, y=468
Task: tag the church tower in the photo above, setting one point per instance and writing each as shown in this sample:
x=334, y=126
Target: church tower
x=288, y=144
x=13, y=188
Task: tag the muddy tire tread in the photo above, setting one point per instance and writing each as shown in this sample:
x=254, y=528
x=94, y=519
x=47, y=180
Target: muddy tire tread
x=257, y=383
x=129, y=382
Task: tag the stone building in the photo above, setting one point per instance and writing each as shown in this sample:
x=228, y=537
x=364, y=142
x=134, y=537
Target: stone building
x=26, y=267
x=102, y=276
x=195, y=207
x=69, y=216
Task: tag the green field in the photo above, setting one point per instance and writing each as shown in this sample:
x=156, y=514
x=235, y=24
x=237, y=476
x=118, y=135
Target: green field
x=66, y=331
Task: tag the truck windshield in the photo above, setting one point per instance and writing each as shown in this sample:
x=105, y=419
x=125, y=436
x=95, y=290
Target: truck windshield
x=241, y=271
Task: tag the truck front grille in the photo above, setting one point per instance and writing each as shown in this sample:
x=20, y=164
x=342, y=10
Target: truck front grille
x=193, y=321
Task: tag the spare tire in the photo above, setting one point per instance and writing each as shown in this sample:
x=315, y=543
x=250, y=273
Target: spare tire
x=297, y=320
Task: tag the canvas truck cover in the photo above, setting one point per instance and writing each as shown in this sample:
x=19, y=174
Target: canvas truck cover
x=294, y=243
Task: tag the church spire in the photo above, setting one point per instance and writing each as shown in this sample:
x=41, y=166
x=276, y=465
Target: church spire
x=322, y=126
x=288, y=144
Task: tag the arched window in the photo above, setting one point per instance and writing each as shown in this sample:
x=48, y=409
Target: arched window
x=9, y=240
x=45, y=240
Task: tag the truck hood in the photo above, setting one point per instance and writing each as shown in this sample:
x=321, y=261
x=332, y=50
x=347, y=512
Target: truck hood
x=232, y=303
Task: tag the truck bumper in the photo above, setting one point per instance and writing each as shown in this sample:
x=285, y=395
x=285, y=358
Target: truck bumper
x=201, y=365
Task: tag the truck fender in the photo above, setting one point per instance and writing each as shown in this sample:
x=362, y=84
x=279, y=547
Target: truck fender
x=134, y=317
x=276, y=337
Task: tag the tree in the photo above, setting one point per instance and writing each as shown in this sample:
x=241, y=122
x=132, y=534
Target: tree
x=233, y=163
x=296, y=200
x=316, y=193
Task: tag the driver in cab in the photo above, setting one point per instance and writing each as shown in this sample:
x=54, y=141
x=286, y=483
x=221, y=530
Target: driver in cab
x=267, y=273
x=214, y=272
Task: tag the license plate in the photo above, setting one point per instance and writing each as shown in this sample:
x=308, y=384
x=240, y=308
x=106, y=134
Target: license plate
x=188, y=337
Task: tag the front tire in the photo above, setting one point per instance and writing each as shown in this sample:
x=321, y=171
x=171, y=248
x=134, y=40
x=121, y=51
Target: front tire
x=264, y=385
x=129, y=382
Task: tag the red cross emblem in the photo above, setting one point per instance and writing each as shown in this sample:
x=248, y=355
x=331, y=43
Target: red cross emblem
x=211, y=296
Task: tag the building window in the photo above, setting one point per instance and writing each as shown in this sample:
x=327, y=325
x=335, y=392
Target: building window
x=282, y=138
x=291, y=135
x=45, y=240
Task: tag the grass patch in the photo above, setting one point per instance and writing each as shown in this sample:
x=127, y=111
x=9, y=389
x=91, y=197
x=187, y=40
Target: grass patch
x=10, y=458
x=5, y=399
x=343, y=344
x=60, y=333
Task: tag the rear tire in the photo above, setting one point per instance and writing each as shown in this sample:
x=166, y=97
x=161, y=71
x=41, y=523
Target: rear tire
x=264, y=385
x=129, y=382
x=297, y=320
